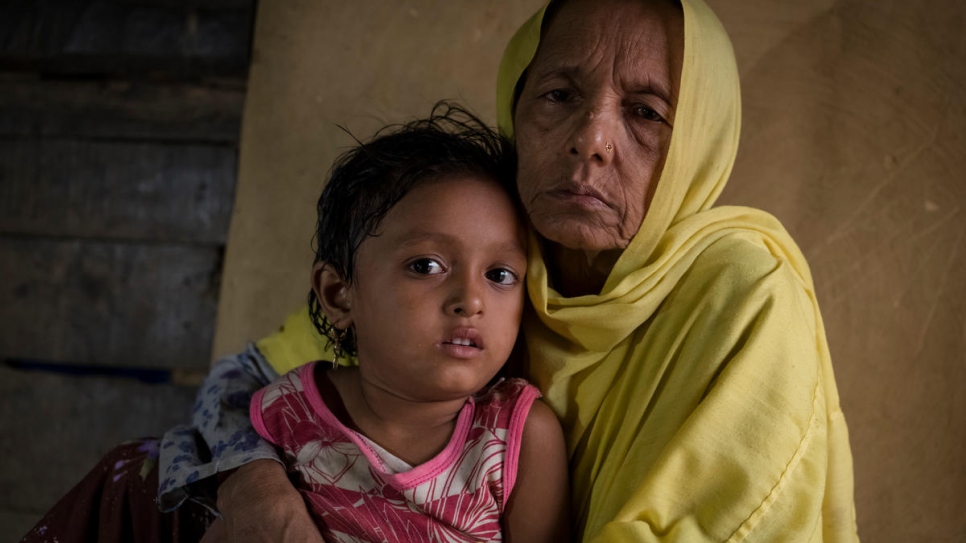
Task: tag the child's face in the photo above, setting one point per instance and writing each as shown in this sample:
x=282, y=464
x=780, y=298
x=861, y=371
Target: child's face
x=438, y=294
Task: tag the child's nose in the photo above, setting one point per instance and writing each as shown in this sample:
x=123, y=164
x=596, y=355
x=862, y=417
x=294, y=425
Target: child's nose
x=466, y=300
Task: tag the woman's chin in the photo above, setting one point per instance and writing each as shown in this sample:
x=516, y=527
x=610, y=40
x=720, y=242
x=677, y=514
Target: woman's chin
x=578, y=235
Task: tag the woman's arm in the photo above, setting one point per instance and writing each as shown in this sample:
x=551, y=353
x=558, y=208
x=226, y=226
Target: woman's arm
x=538, y=508
x=258, y=504
x=255, y=499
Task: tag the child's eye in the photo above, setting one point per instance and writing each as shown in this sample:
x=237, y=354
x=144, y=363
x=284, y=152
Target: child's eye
x=426, y=266
x=502, y=276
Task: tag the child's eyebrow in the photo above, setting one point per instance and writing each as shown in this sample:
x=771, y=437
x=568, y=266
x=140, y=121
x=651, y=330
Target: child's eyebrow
x=416, y=237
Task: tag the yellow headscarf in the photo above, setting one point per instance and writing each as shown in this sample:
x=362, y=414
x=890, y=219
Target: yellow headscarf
x=696, y=390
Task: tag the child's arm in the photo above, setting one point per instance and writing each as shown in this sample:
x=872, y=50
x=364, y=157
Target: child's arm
x=539, y=506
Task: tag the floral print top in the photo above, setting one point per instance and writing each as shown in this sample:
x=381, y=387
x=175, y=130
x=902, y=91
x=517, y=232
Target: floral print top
x=356, y=493
x=220, y=437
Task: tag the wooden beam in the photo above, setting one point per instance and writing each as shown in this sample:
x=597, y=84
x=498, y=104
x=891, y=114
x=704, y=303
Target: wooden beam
x=123, y=304
x=117, y=190
x=131, y=110
x=98, y=37
x=194, y=4
x=66, y=424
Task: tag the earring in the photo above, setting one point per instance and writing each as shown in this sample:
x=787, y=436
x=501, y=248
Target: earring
x=337, y=349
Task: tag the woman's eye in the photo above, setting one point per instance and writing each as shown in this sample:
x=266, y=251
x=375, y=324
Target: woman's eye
x=426, y=266
x=647, y=113
x=502, y=276
x=558, y=95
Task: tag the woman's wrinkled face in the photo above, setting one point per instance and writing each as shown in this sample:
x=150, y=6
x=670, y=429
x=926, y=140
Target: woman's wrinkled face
x=593, y=122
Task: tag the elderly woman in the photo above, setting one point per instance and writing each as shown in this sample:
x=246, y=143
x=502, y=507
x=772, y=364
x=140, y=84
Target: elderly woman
x=680, y=344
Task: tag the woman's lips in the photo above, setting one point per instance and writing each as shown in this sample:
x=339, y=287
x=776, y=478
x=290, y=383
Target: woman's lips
x=581, y=195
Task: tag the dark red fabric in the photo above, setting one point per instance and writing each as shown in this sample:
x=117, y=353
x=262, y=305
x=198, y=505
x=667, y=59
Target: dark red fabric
x=116, y=502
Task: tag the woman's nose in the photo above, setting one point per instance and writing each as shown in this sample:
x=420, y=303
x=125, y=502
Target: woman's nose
x=465, y=300
x=593, y=137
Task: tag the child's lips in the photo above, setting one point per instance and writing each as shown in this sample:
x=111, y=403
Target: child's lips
x=463, y=342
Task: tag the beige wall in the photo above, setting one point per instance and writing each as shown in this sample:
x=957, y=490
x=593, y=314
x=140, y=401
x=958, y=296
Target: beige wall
x=854, y=116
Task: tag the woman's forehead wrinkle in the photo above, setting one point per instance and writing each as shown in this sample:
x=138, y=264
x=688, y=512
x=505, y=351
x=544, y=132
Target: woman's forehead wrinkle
x=635, y=57
x=574, y=50
x=645, y=70
x=656, y=60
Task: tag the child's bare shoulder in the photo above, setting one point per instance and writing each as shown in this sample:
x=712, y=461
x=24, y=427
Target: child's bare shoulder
x=542, y=427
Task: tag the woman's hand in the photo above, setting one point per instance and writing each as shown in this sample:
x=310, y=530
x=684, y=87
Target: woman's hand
x=259, y=505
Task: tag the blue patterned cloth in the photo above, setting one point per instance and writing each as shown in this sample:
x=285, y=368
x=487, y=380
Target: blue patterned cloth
x=221, y=436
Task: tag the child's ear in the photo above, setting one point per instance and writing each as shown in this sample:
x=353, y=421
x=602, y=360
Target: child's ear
x=333, y=294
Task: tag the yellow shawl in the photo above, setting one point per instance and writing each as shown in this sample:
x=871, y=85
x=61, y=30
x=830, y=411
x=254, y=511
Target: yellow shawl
x=696, y=391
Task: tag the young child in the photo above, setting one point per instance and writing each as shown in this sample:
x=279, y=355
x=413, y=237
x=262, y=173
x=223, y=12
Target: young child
x=419, y=275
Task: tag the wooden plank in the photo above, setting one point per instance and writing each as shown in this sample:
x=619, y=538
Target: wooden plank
x=121, y=304
x=43, y=415
x=32, y=107
x=99, y=37
x=199, y=4
x=117, y=190
x=17, y=521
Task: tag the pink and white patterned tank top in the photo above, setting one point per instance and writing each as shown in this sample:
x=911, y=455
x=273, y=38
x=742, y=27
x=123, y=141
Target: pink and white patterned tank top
x=355, y=496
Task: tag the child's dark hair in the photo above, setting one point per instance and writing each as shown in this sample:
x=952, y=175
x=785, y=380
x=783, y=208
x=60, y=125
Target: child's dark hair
x=370, y=179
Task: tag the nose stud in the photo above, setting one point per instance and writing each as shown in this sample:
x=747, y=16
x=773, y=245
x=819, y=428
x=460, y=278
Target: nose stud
x=608, y=147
